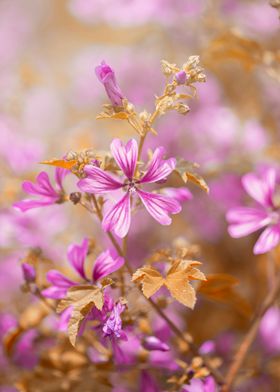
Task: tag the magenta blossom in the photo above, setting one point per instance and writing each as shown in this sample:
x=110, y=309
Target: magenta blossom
x=105, y=264
x=43, y=188
x=247, y=220
x=118, y=217
x=107, y=77
x=113, y=325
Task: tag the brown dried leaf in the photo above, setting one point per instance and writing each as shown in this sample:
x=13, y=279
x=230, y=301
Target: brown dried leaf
x=82, y=299
x=61, y=163
x=150, y=279
x=185, y=169
x=233, y=46
x=221, y=288
x=177, y=281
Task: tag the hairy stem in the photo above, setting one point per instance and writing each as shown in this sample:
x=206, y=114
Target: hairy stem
x=251, y=335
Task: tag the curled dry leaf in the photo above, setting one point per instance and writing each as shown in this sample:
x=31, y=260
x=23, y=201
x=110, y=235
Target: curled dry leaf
x=82, y=299
x=64, y=164
x=177, y=280
x=221, y=288
x=186, y=171
x=116, y=116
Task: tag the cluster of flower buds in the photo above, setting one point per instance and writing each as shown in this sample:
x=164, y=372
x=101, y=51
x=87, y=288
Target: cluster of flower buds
x=81, y=159
x=190, y=73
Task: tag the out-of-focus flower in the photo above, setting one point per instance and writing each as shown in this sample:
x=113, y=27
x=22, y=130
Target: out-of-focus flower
x=247, y=220
x=118, y=217
x=107, y=77
x=148, y=383
x=44, y=189
x=152, y=343
x=24, y=151
x=105, y=264
x=197, y=385
x=270, y=330
x=7, y=322
x=26, y=354
x=135, y=12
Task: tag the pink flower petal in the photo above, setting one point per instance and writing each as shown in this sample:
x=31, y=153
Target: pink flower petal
x=261, y=188
x=245, y=214
x=42, y=186
x=98, y=181
x=54, y=292
x=60, y=174
x=245, y=220
x=125, y=156
x=158, y=169
x=76, y=255
x=106, y=264
x=59, y=280
x=159, y=206
x=28, y=204
x=179, y=194
x=267, y=240
x=119, y=217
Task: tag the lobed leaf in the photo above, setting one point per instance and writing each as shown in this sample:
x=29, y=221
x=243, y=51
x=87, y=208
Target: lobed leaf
x=177, y=280
x=82, y=299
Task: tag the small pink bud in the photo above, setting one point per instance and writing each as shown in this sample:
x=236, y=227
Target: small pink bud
x=29, y=272
x=152, y=343
x=181, y=77
x=106, y=75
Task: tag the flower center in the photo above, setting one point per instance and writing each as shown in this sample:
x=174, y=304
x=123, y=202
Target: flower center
x=130, y=186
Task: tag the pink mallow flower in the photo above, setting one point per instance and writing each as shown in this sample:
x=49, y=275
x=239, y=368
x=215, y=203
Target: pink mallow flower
x=118, y=218
x=105, y=264
x=107, y=77
x=48, y=194
x=247, y=220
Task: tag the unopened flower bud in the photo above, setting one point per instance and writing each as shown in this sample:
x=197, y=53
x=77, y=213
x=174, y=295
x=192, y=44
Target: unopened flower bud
x=182, y=108
x=181, y=77
x=201, y=78
x=29, y=273
x=106, y=75
x=75, y=197
x=152, y=343
x=71, y=155
x=192, y=62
